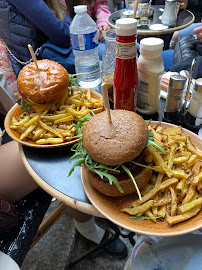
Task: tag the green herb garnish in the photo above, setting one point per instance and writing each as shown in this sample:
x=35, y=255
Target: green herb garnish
x=145, y=166
x=33, y=102
x=134, y=182
x=72, y=82
x=25, y=106
x=79, y=124
x=151, y=141
x=99, y=168
x=144, y=217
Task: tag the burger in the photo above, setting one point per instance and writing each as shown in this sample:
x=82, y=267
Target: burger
x=43, y=84
x=113, y=153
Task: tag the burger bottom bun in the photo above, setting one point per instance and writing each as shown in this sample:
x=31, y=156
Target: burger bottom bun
x=141, y=176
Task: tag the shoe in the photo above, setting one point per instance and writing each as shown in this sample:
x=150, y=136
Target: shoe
x=114, y=248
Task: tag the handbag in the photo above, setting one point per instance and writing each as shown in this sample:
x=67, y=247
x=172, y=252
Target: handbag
x=8, y=216
x=63, y=56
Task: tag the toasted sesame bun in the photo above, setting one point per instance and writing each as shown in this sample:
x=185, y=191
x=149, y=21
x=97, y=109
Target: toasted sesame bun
x=116, y=143
x=44, y=86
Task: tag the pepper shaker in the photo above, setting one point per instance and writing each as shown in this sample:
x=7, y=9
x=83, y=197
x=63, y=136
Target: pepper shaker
x=174, y=99
x=193, y=116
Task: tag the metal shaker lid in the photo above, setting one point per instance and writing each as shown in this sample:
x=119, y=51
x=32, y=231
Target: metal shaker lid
x=177, y=81
x=198, y=85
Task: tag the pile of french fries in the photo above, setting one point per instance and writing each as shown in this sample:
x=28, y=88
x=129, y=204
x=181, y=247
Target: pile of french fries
x=174, y=192
x=52, y=123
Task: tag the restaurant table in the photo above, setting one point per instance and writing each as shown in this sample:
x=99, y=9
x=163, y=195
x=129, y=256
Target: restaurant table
x=49, y=167
x=184, y=19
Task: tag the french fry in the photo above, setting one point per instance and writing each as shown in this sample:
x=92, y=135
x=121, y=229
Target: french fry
x=199, y=187
x=197, y=167
x=46, y=127
x=189, y=195
x=159, y=161
x=180, y=186
x=187, y=207
x=49, y=141
x=173, y=201
x=146, y=189
x=173, y=131
x=182, y=217
x=197, y=179
x=138, y=210
x=161, y=202
x=191, y=160
x=162, y=211
x=193, y=150
x=32, y=121
x=27, y=132
x=54, y=120
x=179, y=160
x=149, y=214
x=152, y=192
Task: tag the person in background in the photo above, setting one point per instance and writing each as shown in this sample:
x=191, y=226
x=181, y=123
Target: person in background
x=195, y=6
x=115, y=5
x=34, y=22
x=99, y=11
x=188, y=48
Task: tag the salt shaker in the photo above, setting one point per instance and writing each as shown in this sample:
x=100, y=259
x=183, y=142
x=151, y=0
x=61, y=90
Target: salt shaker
x=174, y=99
x=193, y=116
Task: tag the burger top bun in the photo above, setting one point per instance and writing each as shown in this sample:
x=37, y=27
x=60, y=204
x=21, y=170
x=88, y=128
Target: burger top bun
x=49, y=83
x=116, y=143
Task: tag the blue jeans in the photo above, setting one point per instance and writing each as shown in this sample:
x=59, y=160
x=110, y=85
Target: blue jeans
x=189, y=30
x=182, y=252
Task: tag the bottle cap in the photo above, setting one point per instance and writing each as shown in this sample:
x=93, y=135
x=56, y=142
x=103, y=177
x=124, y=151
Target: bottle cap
x=177, y=81
x=152, y=44
x=126, y=27
x=198, y=85
x=80, y=8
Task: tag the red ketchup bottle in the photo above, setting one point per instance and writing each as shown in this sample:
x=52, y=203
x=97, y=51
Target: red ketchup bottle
x=125, y=74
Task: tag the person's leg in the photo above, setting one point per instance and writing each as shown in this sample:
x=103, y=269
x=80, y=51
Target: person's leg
x=86, y=226
x=174, y=40
x=167, y=59
x=188, y=31
x=15, y=181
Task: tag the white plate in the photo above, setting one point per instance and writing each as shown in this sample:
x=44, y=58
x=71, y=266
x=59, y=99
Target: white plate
x=158, y=27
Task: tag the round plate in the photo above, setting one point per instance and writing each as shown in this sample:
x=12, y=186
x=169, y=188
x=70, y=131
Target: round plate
x=158, y=27
x=16, y=111
x=110, y=206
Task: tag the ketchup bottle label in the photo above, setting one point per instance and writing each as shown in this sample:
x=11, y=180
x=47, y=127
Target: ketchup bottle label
x=126, y=51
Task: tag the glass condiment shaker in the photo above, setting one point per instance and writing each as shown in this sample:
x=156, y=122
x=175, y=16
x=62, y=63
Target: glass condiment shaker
x=169, y=16
x=109, y=60
x=174, y=100
x=193, y=116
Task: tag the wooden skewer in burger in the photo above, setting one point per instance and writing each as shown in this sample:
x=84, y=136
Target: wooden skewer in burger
x=110, y=150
